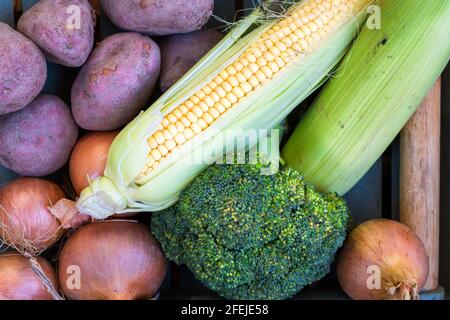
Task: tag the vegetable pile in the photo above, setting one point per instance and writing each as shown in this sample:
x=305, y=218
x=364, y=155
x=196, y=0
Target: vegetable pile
x=252, y=236
x=145, y=124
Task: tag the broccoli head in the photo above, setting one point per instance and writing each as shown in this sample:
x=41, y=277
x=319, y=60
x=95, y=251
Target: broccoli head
x=251, y=236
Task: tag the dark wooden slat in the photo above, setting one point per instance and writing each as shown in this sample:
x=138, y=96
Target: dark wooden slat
x=247, y=6
x=95, y=5
x=17, y=5
x=386, y=183
x=6, y=175
x=364, y=200
x=107, y=28
x=7, y=12
x=98, y=12
x=445, y=183
x=189, y=284
x=249, y=3
x=395, y=180
x=60, y=80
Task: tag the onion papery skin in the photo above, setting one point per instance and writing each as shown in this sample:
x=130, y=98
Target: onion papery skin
x=19, y=282
x=391, y=247
x=88, y=158
x=25, y=221
x=116, y=260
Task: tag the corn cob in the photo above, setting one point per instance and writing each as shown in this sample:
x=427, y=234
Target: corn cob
x=381, y=83
x=250, y=81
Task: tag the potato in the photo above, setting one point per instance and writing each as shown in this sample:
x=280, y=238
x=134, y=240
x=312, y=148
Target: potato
x=63, y=29
x=23, y=70
x=116, y=82
x=158, y=17
x=38, y=139
x=181, y=52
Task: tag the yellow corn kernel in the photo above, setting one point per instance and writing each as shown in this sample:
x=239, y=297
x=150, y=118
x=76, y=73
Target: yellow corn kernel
x=159, y=137
x=152, y=142
x=203, y=106
x=180, y=139
x=155, y=154
x=196, y=128
x=208, y=118
x=167, y=135
x=170, y=144
x=214, y=113
x=188, y=133
x=197, y=111
x=192, y=117
x=163, y=150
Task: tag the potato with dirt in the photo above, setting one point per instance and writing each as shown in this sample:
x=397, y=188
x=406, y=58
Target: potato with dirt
x=116, y=82
x=181, y=52
x=63, y=30
x=158, y=17
x=37, y=140
x=23, y=70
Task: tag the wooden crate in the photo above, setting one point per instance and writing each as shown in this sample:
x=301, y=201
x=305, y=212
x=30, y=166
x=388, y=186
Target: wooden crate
x=376, y=195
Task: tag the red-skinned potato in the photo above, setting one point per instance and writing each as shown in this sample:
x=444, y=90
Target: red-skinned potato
x=181, y=52
x=37, y=140
x=23, y=70
x=116, y=82
x=63, y=30
x=158, y=17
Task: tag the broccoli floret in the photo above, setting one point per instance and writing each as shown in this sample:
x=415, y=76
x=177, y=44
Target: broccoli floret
x=251, y=236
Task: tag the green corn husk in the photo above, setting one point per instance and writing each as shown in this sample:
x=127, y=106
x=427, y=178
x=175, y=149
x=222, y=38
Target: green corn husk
x=381, y=82
x=119, y=191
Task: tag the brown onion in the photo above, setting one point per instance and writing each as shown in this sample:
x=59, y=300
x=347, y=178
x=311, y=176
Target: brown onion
x=88, y=159
x=18, y=281
x=113, y=260
x=26, y=223
x=387, y=251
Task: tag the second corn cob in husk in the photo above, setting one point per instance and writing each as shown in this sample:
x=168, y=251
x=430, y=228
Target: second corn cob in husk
x=251, y=80
x=379, y=85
